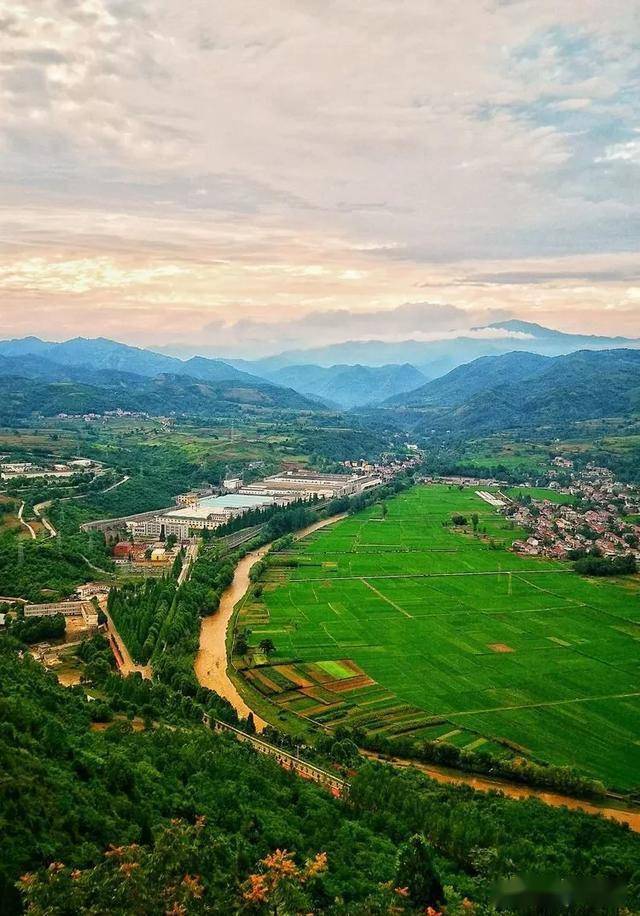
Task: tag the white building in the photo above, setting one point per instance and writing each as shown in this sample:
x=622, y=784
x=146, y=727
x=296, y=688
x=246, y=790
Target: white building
x=209, y=513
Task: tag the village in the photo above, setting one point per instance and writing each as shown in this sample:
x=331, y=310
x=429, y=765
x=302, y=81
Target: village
x=603, y=514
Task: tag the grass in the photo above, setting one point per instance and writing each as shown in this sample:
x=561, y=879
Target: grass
x=540, y=493
x=451, y=630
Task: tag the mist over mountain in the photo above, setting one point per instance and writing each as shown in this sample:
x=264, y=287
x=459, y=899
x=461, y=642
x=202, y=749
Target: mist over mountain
x=349, y=386
x=434, y=358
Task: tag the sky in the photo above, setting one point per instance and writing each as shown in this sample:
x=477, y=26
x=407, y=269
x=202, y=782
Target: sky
x=239, y=177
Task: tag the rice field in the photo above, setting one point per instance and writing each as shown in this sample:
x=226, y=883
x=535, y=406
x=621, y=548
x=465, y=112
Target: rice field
x=402, y=623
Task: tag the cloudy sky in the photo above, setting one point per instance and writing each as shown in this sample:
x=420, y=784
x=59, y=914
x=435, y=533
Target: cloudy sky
x=239, y=176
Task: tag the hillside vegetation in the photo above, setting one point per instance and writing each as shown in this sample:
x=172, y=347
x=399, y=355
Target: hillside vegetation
x=522, y=390
x=178, y=819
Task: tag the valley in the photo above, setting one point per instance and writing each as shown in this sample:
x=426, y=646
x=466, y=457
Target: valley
x=398, y=623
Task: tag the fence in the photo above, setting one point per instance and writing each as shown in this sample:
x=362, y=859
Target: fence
x=338, y=787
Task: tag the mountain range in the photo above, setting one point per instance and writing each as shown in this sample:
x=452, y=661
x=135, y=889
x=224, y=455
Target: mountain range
x=92, y=376
x=434, y=358
x=525, y=390
x=349, y=386
x=516, y=388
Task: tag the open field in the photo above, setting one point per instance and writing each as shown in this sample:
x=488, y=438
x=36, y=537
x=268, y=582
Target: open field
x=439, y=633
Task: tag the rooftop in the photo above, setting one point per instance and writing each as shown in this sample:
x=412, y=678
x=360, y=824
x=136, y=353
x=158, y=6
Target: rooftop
x=234, y=501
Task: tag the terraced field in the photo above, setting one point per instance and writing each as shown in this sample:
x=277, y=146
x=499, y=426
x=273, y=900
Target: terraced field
x=402, y=623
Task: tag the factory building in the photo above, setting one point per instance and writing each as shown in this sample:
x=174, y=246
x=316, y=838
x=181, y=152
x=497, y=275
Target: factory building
x=291, y=485
x=208, y=513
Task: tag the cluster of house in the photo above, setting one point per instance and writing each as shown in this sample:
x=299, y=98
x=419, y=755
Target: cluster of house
x=387, y=468
x=10, y=469
x=144, y=554
x=88, y=417
x=604, y=517
x=197, y=510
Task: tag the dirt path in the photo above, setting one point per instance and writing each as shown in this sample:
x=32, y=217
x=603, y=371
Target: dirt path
x=514, y=790
x=126, y=664
x=24, y=523
x=39, y=510
x=211, y=661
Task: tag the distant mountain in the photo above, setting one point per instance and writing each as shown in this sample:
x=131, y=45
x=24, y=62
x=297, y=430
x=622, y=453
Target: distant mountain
x=523, y=390
x=582, y=341
x=84, y=375
x=349, y=386
x=101, y=353
x=436, y=357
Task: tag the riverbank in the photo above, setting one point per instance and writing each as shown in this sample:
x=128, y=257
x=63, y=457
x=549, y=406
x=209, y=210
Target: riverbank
x=211, y=668
x=628, y=816
x=211, y=663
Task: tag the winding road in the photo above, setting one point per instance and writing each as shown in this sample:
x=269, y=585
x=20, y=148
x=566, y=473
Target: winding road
x=24, y=523
x=40, y=508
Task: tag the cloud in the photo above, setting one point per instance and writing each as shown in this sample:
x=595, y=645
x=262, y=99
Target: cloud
x=207, y=165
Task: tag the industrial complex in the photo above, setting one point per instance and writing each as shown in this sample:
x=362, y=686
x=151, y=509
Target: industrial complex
x=197, y=513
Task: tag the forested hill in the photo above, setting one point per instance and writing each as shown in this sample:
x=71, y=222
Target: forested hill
x=462, y=383
x=99, y=818
x=523, y=390
x=21, y=398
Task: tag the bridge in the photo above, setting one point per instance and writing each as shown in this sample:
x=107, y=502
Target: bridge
x=339, y=788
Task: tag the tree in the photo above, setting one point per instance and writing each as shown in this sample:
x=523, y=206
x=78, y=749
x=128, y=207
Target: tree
x=415, y=870
x=267, y=646
x=241, y=645
x=475, y=520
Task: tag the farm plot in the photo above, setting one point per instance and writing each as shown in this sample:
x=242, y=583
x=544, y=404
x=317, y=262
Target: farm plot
x=452, y=635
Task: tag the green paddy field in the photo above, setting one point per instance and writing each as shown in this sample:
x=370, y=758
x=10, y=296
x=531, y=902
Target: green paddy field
x=441, y=633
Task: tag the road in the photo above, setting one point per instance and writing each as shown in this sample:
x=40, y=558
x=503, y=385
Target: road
x=189, y=560
x=126, y=665
x=40, y=508
x=24, y=523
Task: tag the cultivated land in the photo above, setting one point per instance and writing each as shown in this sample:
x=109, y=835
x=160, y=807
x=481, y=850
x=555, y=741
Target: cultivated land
x=441, y=634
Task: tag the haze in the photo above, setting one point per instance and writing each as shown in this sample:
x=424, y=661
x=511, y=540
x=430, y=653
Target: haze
x=240, y=177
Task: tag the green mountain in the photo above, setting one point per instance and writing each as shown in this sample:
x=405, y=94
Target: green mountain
x=521, y=390
x=349, y=386
x=461, y=383
x=22, y=398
